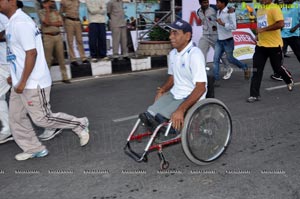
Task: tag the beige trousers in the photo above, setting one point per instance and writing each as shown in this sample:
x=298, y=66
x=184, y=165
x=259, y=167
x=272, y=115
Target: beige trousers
x=35, y=103
x=55, y=44
x=73, y=29
x=119, y=37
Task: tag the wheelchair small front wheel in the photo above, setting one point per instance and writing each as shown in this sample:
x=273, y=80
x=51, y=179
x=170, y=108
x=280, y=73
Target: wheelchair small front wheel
x=207, y=131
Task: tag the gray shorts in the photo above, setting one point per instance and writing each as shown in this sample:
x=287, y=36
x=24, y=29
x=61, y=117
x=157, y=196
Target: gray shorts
x=165, y=105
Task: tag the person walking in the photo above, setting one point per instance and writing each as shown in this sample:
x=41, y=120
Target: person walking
x=208, y=16
x=31, y=82
x=290, y=31
x=226, y=22
x=269, y=45
x=5, y=134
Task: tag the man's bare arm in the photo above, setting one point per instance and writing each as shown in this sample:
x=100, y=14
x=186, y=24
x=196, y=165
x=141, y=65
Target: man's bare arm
x=177, y=118
x=30, y=59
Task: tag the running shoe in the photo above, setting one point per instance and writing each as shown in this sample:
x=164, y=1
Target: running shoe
x=25, y=156
x=5, y=138
x=48, y=134
x=276, y=77
x=228, y=73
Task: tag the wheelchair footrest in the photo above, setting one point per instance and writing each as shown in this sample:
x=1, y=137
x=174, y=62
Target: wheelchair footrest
x=134, y=155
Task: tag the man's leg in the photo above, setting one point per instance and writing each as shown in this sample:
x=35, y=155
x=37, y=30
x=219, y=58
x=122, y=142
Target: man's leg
x=5, y=134
x=41, y=114
x=124, y=41
x=165, y=105
x=259, y=60
x=93, y=39
x=285, y=46
x=116, y=35
x=294, y=43
x=276, y=63
x=217, y=55
x=79, y=42
x=102, y=40
x=48, y=48
x=59, y=50
x=204, y=45
x=21, y=126
x=70, y=31
x=229, y=47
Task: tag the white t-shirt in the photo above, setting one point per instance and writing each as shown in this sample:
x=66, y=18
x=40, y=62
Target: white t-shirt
x=22, y=35
x=187, y=68
x=3, y=23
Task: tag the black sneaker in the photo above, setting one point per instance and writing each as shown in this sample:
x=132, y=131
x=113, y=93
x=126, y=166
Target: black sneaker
x=85, y=61
x=66, y=81
x=144, y=119
x=276, y=77
x=74, y=63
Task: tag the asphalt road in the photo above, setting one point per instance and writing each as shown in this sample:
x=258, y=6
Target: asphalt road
x=262, y=161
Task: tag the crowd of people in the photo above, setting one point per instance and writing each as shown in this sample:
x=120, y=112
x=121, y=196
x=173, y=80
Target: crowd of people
x=29, y=56
x=276, y=28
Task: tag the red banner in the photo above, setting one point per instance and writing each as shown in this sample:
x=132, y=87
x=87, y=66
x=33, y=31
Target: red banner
x=243, y=38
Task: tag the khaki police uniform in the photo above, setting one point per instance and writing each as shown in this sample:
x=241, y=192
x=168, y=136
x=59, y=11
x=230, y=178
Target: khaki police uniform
x=52, y=40
x=70, y=10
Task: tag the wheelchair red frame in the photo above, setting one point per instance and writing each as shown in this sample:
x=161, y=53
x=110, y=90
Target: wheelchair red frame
x=212, y=121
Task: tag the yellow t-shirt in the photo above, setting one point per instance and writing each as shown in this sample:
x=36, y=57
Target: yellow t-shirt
x=266, y=16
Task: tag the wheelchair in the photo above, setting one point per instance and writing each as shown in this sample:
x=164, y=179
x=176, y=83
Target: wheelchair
x=205, y=135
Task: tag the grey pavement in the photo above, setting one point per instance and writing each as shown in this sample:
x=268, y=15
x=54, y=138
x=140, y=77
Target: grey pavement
x=262, y=161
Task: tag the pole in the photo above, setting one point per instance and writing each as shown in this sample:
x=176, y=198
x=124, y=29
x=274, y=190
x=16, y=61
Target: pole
x=173, y=17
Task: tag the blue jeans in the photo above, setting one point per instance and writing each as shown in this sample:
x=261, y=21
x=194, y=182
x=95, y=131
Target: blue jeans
x=97, y=40
x=226, y=46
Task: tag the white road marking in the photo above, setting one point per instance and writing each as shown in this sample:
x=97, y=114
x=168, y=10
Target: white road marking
x=279, y=87
x=126, y=118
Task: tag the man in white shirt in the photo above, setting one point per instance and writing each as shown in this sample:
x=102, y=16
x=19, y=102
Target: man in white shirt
x=187, y=81
x=208, y=15
x=5, y=134
x=31, y=83
x=226, y=22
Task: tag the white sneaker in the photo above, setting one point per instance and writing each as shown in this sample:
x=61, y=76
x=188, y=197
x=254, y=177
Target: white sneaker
x=84, y=135
x=49, y=134
x=5, y=137
x=25, y=156
x=228, y=73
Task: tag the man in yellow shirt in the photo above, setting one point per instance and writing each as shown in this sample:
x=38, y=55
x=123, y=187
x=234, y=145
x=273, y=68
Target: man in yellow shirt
x=269, y=45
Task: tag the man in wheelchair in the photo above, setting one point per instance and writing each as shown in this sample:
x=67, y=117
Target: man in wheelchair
x=186, y=84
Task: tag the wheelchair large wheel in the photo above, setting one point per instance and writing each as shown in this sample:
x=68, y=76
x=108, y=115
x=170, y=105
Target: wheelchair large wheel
x=207, y=131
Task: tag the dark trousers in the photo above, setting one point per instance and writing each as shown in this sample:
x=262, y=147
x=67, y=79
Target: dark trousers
x=97, y=40
x=260, y=57
x=294, y=43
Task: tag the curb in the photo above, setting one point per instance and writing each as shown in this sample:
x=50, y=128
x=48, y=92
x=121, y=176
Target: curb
x=110, y=67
